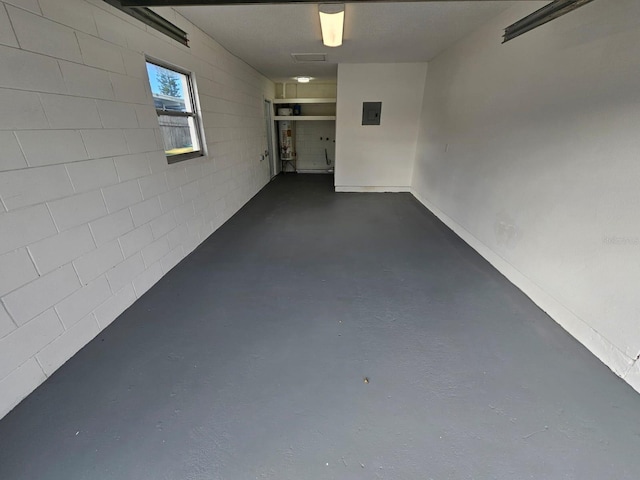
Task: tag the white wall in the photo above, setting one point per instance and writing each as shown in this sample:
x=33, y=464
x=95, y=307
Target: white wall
x=91, y=215
x=529, y=151
x=378, y=158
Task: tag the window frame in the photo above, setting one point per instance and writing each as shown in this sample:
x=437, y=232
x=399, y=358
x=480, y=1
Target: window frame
x=195, y=114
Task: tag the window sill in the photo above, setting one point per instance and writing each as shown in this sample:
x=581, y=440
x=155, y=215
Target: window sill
x=184, y=156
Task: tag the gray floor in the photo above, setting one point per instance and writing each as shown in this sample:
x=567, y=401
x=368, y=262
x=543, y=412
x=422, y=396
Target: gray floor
x=248, y=361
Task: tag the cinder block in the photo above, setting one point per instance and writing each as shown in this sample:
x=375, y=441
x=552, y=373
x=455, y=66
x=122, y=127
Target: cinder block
x=98, y=53
x=202, y=203
x=29, y=71
x=34, y=298
x=147, y=116
x=122, y=195
x=99, y=261
x=73, y=211
x=163, y=225
x=157, y=158
x=136, y=240
x=190, y=191
x=76, y=14
x=53, y=252
x=24, y=342
x=37, y=34
x=195, y=226
x=48, y=147
x=104, y=143
x=54, y=355
x=20, y=188
x=115, y=305
x=171, y=200
x=206, y=182
x=129, y=89
x=141, y=140
x=184, y=212
x=125, y=272
x=11, y=156
x=112, y=226
x=18, y=384
x=25, y=226
x=7, y=36
x=112, y=29
x=17, y=270
x=65, y=111
x=190, y=245
x=178, y=236
x=6, y=324
x=134, y=64
x=21, y=110
x=86, y=81
x=153, y=185
x=147, y=279
x=78, y=305
x=194, y=171
x=117, y=114
x=172, y=259
x=92, y=174
x=31, y=5
x=146, y=211
x=176, y=176
x=155, y=251
x=132, y=166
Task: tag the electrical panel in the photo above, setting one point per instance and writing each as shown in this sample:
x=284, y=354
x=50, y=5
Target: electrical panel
x=371, y=113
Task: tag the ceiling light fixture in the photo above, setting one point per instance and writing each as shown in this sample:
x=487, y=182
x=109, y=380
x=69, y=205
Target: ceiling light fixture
x=331, y=23
x=303, y=79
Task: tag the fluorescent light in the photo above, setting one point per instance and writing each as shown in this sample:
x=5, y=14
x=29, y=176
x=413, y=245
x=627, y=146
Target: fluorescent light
x=331, y=23
x=303, y=79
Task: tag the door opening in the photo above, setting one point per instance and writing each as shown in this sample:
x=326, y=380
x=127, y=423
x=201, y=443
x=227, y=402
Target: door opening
x=268, y=116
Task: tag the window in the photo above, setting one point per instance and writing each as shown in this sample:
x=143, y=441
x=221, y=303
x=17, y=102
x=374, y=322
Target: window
x=175, y=101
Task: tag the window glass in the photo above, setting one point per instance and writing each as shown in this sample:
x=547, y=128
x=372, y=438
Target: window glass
x=173, y=96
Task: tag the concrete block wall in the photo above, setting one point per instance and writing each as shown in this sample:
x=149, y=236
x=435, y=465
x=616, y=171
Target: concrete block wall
x=91, y=214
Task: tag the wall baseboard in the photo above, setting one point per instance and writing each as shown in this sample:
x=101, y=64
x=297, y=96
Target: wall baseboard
x=342, y=188
x=611, y=356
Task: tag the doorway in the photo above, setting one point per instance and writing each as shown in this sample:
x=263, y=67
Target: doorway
x=269, y=153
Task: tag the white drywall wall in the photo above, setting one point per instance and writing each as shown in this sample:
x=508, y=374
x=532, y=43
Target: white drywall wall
x=377, y=157
x=530, y=152
x=91, y=214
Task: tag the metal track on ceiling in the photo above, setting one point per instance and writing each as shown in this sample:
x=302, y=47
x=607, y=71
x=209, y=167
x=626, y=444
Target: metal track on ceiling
x=187, y=3
x=140, y=10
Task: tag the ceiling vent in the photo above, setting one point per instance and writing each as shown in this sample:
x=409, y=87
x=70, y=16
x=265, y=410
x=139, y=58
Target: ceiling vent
x=309, y=57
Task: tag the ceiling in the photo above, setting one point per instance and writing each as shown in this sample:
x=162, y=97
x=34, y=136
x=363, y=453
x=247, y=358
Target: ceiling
x=265, y=36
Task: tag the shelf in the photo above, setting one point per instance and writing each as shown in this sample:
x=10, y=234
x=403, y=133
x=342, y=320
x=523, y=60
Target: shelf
x=303, y=100
x=305, y=117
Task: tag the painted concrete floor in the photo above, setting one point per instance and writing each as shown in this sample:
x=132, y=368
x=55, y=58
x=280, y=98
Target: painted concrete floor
x=248, y=361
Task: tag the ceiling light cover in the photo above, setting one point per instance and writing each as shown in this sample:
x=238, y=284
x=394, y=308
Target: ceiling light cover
x=303, y=79
x=331, y=23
